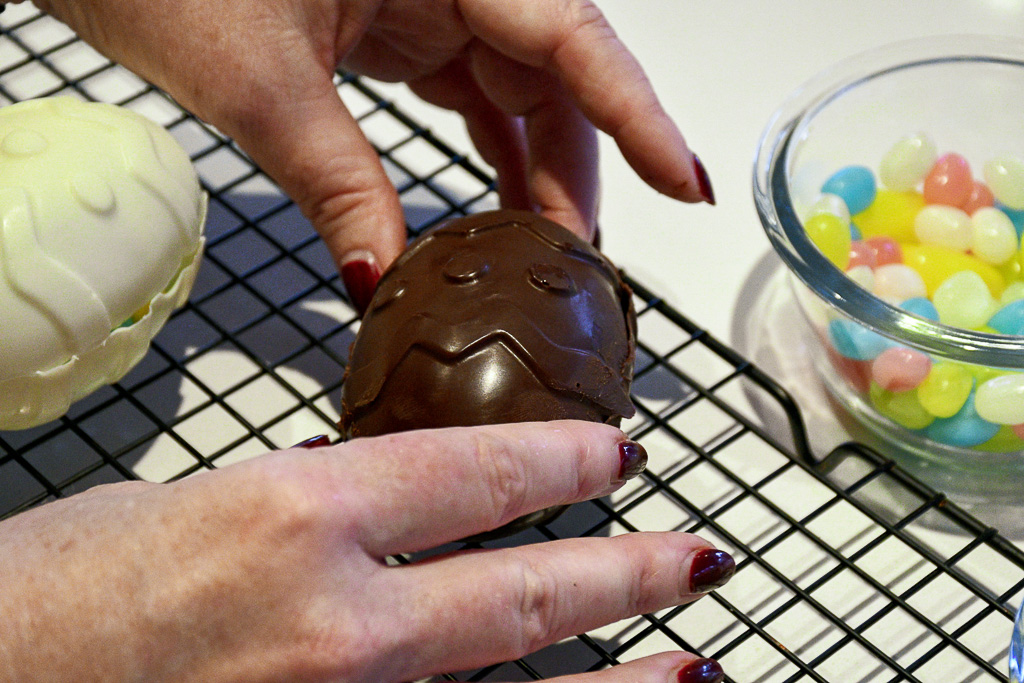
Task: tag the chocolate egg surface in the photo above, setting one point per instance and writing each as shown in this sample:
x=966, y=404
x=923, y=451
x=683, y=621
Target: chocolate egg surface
x=501, y=316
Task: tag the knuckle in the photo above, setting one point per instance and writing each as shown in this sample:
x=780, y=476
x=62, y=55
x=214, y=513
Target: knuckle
x=539, y=617
x=504, y=477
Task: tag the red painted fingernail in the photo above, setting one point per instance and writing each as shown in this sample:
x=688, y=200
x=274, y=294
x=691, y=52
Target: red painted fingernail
x=710, y=569
x=632, y=459
x=315, y=442
x=703, y=181
x=360, y=273
x=702, y=671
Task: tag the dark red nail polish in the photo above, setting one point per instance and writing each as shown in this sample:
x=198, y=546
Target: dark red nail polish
x=360, y=278
x=703, y=181
x=632, y=459
x=702, y=671
x=315, y=442
x=710, y=569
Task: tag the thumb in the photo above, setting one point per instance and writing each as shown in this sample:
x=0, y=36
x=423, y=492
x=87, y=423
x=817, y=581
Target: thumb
x=315, y=150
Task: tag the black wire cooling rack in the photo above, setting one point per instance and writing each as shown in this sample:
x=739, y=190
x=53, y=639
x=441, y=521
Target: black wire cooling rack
x=849, y=570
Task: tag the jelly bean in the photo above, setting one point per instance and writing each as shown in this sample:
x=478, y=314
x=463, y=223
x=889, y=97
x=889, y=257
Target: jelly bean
x=1003, y=442
x=966, y=429
x=993, y=237
x=896, y=282
x=1018, y=430
x=902, y=407
x=1001, y=399
x=863, y=276
x=887, y=250
x=855, y=341
x=963, y=300
x=832, y=237
x=935, y=264
x=945, y=390
x=900, y=369
x=855, y=233
x=980, y=196
x=922, y=307
x=945, y=226
x=855, y=184
x=907, y=162
x=949, y=181
x=890, y=214
x=1009, y=319
x=1011, y=270
x=1005, y=177
x=831, y=204
x=861, y=254
x=1013, y=292
x=857, y=373
x=1016, y=217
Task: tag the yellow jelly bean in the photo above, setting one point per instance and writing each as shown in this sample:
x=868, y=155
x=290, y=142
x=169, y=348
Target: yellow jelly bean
x=936, y=264
x=1005, y=441
x=1011, y=271
x=831, y=235
x=945, y=390
x=902, y=407
x=1013, y=292
x=890, y=215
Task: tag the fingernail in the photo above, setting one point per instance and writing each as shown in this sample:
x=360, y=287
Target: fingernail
x=710, y=569
x=632, y=460
x=360, y=273
x=702, y=671
x=315, y=442
x=703, y=181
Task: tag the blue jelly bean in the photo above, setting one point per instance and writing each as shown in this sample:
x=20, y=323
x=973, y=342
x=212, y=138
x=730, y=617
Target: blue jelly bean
x=853, y=340
x=965, y=429
x=1016, y=217
x=1009, y=319
x=855, y=234
x=921, y=306
x=855, y=184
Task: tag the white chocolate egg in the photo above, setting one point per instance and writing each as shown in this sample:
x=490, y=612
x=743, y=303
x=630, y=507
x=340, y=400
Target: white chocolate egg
x=101, y=217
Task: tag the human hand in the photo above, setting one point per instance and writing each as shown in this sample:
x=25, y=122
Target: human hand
x=531, y=79
x=274, y=569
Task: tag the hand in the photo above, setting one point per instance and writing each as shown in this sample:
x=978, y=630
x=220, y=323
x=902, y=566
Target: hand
x=531, y=79
x=274, y=569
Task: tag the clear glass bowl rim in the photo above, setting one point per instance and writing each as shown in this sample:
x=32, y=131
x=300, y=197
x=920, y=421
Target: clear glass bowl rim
x=786, y=233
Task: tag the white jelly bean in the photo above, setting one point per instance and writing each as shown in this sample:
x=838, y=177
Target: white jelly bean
x=944, y=226
x=863, y=276
x=1005, y=177
x=1001, y=400
x=963, y=300
x=1013, y=292
x=907, y=162
x=993, y=237
x=896, y=282
x=831, y=204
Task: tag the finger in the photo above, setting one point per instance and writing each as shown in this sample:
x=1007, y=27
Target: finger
x=421, y=489
x=522, y=599
x=667, y=667
x=572, y=39
x=562, y=166
x=497, y=136
x=315, y=150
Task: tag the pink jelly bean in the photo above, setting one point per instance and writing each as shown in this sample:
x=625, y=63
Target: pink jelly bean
x=861, y=254
x=1018, y=430
x=900, y=369
x=887, y=250
x=980, y=197
x=949, y=182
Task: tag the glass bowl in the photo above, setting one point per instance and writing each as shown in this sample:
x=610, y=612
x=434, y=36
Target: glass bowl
x=1017, y=648
x=965, y=94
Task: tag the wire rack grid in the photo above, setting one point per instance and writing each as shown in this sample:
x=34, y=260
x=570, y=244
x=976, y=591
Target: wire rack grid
x=849, y=569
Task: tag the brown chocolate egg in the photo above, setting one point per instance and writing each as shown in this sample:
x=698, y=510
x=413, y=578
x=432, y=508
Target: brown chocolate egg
x=502, y=316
